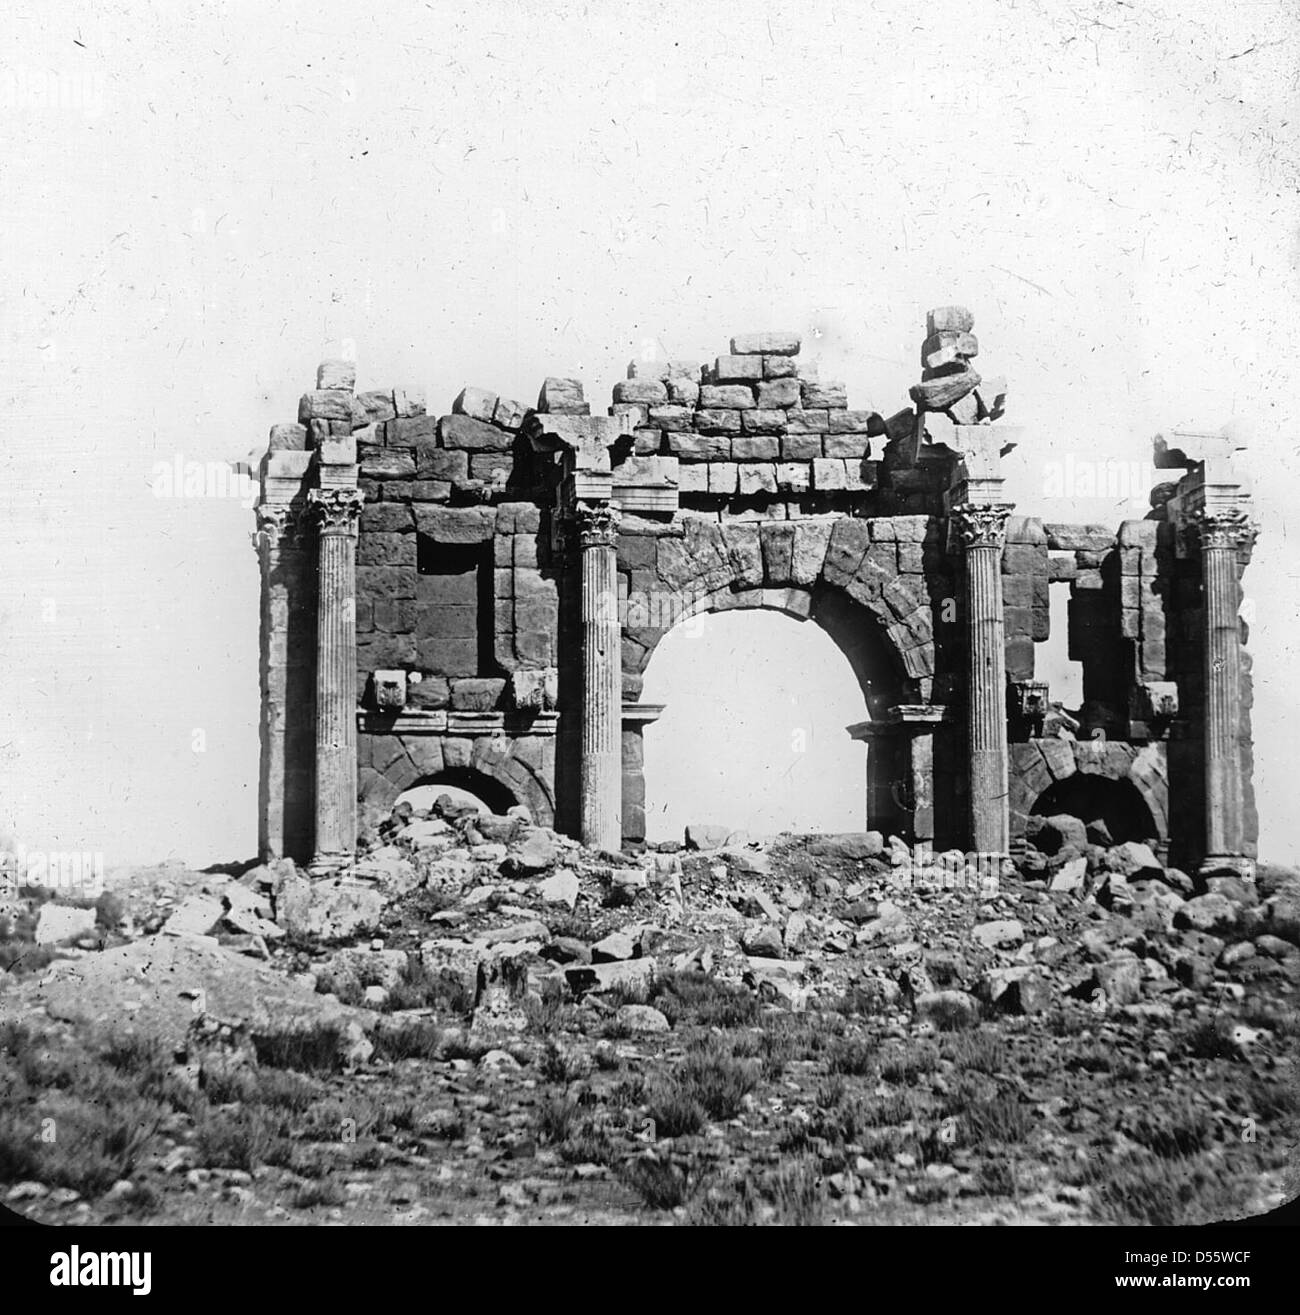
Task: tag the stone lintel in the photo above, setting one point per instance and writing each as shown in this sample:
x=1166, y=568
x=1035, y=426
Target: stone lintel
x=458, y=723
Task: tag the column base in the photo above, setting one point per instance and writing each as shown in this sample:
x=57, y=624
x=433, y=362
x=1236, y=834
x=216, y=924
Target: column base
x=1227, y=865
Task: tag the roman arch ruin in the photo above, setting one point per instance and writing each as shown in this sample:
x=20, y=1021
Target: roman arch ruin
x=473, y=598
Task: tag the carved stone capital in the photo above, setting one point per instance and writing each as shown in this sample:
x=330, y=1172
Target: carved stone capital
x=336, y=509
x=595, y=526
x=1225, y=527
x=279, y=524
x=982, y=524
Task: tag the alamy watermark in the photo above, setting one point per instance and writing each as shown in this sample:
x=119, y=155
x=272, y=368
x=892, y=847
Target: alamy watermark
x=78, y=873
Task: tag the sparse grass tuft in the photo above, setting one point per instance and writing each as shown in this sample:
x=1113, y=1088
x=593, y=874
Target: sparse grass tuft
x=694, y=997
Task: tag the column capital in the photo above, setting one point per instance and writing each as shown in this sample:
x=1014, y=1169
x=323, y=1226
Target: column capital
x=1224, y=527
x=981, y=524
x=595, y=526
x=279, y=524
x=337, y=509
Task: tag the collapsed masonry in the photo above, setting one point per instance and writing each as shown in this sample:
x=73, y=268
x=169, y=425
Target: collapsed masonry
x=472, y=600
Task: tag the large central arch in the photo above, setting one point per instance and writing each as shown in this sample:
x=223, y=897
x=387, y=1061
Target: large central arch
x=827, y=569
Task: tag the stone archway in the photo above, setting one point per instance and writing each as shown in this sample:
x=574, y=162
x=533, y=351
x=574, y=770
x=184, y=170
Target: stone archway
x=841, y=572
x=1038, y=766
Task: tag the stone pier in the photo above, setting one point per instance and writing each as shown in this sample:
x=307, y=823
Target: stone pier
x=982, y=531
x=337, y=511
x=596, y=533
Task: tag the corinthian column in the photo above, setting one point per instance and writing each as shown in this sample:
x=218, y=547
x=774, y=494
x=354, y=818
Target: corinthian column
x=982, y=530
x=1226, y=535
x=337, y=510
x=601, y=775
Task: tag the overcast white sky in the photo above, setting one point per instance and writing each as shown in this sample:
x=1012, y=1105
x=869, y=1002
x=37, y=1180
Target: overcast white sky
x=201, y=200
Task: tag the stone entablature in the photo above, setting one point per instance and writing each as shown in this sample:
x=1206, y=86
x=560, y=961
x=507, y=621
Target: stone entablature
x=496, y=580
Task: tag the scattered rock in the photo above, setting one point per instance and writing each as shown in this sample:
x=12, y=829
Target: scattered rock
x=641, y=1019
x=538, y=851
x=763, y=942
x=196, y=916
x=59, y=922
x=328, y=909
x=1003, y=931
x=614, y=948
x=629, y=973
x=561, y=888
x=1211, y=913
x=706, y=836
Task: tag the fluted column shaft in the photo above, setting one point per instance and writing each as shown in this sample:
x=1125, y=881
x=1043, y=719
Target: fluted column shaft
x=336, y=676
x=601, y=775
x=1223, y=535
x=982, y=529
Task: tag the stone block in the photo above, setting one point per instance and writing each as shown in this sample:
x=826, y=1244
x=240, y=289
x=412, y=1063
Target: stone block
x=383, y=463
x=683, y=392
x=811, y=537
x=477, y=695
x=780, y=367
x=831, y=394
x=744, y=552
x=776, y=539
x=755, y=447
x=456, y=524
x=386, y=549
x=796, y=476
x=762, y=421
x=562, y=397
x=726, y=397
x=829, y=473
x=438, y=463
x=856, y=422
x=491, y=467
x=288, y=438
x=395, y=616
x=461, y=431
x=386, y=518
x=734, y=369
x=336, y=450
x=723, y=477
x=710, y=422
x=779, y=393
x=377, y=404
x=756, y=478
x=477, y=403
x=693, y=478
x=808, y=422
x=765, y=344
x=948, y=319
x=325, y=404
x=428, y=693
x=386, y=581
x=651, y=392
x=408, y=402
x=422, y=490
x=441, y=655
x=409, y=432
x=851, y=447
x=675, y=419
x=800, y=447
x=376, y=651
x=509, y=414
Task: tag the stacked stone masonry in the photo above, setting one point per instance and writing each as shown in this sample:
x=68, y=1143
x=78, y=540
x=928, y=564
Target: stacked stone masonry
x=491, y=636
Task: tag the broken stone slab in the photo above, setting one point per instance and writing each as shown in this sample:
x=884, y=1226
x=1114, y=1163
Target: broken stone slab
x=328, y=909
x=1121, y=980
x=1069, y=876
x=159, y=985
x=59, y=922
x=389, y=870
x=614, y=948
x=598, y=977
x=538, y=851
x=1001, y=931
x=561, y=888
x=850, y=845
x=948, y=319
x=1137, y=860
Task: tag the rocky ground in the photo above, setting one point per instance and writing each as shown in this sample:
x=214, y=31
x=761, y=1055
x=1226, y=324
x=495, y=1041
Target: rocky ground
x=484, y=1022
